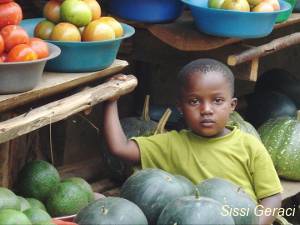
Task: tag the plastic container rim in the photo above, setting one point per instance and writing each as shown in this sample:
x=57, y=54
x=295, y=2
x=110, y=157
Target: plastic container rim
x=52, y=55
x=129, y=32
x=285, y=7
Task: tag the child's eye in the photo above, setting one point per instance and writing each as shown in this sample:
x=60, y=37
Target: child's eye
x=219, y=100
x=193, y=101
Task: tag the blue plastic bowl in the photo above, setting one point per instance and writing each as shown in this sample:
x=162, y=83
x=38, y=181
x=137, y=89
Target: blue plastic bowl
x=229, y=23
x=81, y=56
x=149, y=11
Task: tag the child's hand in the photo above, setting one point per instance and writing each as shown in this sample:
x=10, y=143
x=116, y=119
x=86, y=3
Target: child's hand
x=120, y=77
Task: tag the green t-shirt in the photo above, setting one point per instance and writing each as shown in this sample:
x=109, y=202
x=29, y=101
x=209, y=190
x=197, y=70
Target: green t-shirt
x=237, y=156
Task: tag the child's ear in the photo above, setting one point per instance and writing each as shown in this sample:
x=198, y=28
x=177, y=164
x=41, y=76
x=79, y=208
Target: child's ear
x=233, y=103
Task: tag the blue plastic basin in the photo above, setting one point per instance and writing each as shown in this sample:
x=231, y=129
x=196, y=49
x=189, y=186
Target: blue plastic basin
x=82, y=56
x=229, y=23
x=149, y=11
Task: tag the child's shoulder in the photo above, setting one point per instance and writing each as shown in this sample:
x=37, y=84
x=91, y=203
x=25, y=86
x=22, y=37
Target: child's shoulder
x=251, y=141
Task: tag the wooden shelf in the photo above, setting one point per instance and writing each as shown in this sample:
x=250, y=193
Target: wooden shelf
x=183, y=35
x=54, y=83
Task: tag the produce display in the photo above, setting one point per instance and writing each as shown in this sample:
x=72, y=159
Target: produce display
x=194, y=210
x=246, y=5
x=15, y=43
x=111, y=210
x=75, y=21
x=270, y=104
x=42, y=195
x=228, y=193
x=282, y=81
x=152, y=190
x=235, y=119
x=281, y=138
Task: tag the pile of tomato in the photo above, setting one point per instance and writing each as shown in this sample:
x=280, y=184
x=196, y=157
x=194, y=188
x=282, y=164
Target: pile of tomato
x=15, y=43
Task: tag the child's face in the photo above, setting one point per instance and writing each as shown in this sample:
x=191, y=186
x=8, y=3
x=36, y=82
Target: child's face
x=206, y=103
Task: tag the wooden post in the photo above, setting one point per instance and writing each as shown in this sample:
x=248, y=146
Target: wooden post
x=61, y=109
x=263, y=50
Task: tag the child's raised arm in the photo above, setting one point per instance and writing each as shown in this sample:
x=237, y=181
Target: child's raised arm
x=270, y=204
x=117, y=142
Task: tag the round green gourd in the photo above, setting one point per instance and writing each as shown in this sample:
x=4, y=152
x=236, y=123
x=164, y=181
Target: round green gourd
x=194, y=210
x=281, y=137
x=236, y=120
x=152, y=190
x=232, y=195
x=111, y=210
x=262, y=106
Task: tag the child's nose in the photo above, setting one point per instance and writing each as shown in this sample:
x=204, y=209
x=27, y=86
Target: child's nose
x=206, y=108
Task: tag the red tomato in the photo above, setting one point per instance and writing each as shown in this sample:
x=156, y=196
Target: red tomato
x=5, y=1
x=98, y=31
x=21, y=52
x=14, y=35
x=3, y=57
x=40, y=47
x=1, y=44
x=10, y=13
x=61, y=222
x=51, y=11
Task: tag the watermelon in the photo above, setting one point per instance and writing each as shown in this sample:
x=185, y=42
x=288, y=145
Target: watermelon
x=235, y=119
x=111, y=210
x=152, y=190
x=281, y=138
x=194, y=210
x=231, y=196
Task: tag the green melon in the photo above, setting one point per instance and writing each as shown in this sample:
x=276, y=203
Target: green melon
x=66, y=199
x=281, y=137
x=36, y=179
x=34, y=203
x=235, y=119
x=8, y=199
x=231, y=196
x=24, y=204
x=84, y=185
x=38, y=216
x=152, y=190
x=193, y=210
x=111, y=210
x=187, y=185
x=13, y=217
x=262, y=106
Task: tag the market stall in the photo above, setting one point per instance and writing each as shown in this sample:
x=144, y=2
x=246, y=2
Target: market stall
x=42, y=122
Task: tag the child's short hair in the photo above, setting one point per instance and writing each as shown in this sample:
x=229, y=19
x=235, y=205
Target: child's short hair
x=204, y=66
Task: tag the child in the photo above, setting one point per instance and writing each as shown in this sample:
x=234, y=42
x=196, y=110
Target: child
x=209, y=148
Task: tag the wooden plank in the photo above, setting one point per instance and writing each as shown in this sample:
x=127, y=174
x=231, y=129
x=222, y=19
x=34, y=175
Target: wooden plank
x=54, y=83
x=290, y=188
x=4, y=162
x=183, y=35
x=61, y=109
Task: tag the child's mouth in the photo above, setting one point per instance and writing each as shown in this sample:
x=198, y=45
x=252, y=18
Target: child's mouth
x=207, y=123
